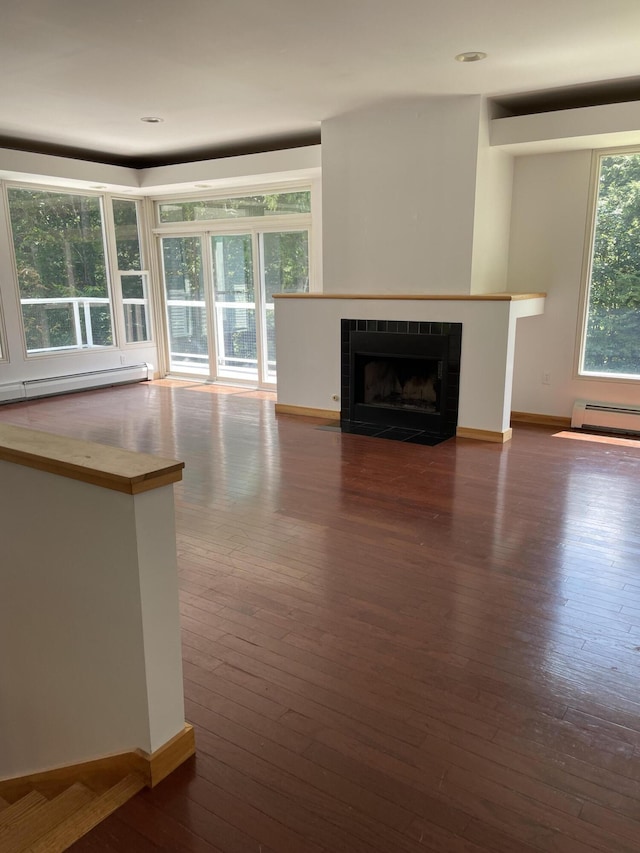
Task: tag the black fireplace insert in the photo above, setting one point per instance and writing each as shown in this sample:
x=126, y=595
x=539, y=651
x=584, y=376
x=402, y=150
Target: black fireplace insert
x=400, y=379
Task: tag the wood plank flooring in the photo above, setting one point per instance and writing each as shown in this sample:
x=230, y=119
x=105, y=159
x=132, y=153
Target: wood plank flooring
x=388, y=648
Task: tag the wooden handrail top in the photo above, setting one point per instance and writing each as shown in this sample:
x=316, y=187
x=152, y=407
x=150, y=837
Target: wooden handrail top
x=87, y=461
x=440, y=297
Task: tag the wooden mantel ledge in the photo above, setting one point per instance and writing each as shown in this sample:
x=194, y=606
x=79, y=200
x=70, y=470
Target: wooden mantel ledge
x=98, y=464
x=460, y=297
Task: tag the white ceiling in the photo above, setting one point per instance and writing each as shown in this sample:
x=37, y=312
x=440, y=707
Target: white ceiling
x=225, y=73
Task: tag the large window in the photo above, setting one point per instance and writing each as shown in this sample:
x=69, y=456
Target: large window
x=60, y=242
x=611, y=339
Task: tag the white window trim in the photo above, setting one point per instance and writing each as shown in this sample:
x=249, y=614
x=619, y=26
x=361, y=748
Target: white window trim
x=4, y=346
x=119, y=324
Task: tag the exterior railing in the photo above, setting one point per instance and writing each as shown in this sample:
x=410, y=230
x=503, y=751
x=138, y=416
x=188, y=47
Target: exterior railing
x=80, y=310
x=82, y=328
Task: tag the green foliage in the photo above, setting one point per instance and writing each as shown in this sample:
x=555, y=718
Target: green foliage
x=233, y=268
x=59, y=246
x=125, y=220
x=286, y=263
x=182, y=260
x=613, y=321
x=59, y=251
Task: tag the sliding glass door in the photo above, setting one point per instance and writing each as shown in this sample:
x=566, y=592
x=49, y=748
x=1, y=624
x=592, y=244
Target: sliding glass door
x=219, y=291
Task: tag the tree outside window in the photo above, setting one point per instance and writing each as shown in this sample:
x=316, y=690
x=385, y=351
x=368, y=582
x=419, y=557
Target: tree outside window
x=59, y=246
x=611, y=345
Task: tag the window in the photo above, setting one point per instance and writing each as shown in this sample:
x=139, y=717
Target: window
x=134, y=281
x=61, y=265
x=276, y=204
x=611, y=339
x=60, y=243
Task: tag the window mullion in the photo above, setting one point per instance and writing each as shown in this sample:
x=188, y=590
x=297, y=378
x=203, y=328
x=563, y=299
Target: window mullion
x=114, y=284
x=260, y=296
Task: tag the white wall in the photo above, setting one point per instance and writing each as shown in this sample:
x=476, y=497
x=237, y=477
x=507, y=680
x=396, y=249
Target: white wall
x=399, y=184
x=492, y=214
x=89, y=625
x=550, y=213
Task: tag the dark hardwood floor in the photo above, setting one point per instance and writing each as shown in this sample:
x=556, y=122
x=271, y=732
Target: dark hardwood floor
x=388, y=648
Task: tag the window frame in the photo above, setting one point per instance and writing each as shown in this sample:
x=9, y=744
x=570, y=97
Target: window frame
x=117, y=274
x=587, y=267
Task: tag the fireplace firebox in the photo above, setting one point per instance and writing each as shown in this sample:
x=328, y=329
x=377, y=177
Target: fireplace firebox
x=400, y=379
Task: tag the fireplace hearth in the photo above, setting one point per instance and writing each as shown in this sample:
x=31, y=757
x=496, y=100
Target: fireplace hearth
x=400, y=379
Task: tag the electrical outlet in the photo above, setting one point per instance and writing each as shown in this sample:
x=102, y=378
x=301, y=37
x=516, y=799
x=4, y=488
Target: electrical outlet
x=122, y=359
x=546, y=378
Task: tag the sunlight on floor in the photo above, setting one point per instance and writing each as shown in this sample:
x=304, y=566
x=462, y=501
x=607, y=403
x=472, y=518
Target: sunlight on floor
x=212, y=388
x=599, y=439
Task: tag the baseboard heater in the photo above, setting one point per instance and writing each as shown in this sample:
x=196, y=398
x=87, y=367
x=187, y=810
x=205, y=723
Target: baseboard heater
x=606, y=417
x=31, y=388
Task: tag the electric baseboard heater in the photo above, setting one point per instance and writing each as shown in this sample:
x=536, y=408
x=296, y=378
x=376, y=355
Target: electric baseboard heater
x=30, y=389
x=606, y=417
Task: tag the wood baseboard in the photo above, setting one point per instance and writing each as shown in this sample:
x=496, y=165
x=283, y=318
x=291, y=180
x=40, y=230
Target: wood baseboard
x=157, y=766
x=461, y=432
x=305, y=412
x=484, y=434
x=540, y=420
x=101, y=773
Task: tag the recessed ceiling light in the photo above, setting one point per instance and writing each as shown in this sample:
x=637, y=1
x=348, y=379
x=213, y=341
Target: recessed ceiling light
x=152, y=119
x=471, y=56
